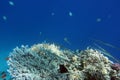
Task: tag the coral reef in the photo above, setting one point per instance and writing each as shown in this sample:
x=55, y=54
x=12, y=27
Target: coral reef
x=49, y=62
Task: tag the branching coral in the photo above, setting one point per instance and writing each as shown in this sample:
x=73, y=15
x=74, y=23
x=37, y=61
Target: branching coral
x=48, y=62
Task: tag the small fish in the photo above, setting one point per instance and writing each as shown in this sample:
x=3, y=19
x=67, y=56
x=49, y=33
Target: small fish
x=66, y=40
x=11, y=3
x=52, y=13
x=40, y=33
x=4, y=18
x=98, y=20
x=70, y=14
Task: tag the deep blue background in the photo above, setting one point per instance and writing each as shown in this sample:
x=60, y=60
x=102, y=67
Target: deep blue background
x=27, y=18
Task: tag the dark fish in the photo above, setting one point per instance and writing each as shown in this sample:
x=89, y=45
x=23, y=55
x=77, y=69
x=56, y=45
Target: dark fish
x=7, y=58
x=3, y=75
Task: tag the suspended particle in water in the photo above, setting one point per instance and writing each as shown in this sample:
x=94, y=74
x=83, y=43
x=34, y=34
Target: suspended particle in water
x=11, y=3
x=70, y=14
x=4, y=18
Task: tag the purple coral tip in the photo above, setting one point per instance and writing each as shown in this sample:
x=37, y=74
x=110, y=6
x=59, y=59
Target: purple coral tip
x=115, y=66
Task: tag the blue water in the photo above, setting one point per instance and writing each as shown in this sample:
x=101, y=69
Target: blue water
x=29, y=22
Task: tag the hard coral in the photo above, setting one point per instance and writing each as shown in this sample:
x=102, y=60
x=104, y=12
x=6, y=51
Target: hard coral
x=48, y=62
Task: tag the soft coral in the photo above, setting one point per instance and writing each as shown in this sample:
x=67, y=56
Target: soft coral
x=115, y=66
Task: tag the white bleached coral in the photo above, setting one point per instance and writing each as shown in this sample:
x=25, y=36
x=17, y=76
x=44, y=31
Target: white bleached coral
x=48, y=62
